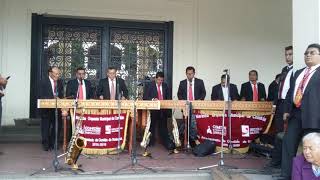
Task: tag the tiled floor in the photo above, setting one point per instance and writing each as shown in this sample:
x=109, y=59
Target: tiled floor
x=29, y=158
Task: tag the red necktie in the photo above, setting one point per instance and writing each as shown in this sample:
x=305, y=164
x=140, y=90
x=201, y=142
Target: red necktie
x=160, y=97
x=299, y=94
x=80, y=96
x=190, y=92
x=255, y=92
x=112, y=91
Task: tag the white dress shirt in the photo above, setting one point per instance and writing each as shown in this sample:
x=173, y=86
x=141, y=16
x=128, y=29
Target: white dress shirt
x=300, y=77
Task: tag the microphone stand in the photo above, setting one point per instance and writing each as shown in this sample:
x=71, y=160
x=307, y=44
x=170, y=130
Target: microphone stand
x=133, y=153
x=119, y=110
x=55, y=161
x=221, y=162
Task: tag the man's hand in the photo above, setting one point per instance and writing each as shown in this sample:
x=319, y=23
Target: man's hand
x=285, y=116
x=274, y=109
x=123, y=98
x=1, y=94
x=101, y=97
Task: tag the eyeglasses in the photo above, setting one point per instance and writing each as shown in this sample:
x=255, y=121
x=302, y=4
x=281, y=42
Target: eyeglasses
x=311, y=53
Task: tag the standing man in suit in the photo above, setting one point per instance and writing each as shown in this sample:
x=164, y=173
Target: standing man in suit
x=279, y=101
x=158, y=90
x=301, y=107
x=191, y=89
x=108, y=87
x=3, y=84
x=273, y=89
x=253, y=90
x=51, y=87
x=220, y=92
x=79, y=88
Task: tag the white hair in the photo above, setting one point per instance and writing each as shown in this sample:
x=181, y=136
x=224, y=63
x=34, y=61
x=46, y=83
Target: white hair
x=313, y=137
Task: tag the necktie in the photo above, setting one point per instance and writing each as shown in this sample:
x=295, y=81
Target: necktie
x=160, y=97
x=190, y=94
x=255, y=92
x=80, y=96
x=299, y=94
x=113, y=95
x=55, y=88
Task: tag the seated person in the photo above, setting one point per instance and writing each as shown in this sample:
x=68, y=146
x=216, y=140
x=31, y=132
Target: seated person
x=307, y=166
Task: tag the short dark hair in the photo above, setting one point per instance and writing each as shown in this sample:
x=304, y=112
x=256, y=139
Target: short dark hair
x=223, y=76
x=52, y=67
x=80, y=69
x=255, y=71
x=111, y=68
x=190, y=68
x=315, y=45
x=160, y=74
x=288, y=48
x=278, y=76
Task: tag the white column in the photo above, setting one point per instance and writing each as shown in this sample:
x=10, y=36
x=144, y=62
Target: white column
x=306, y=27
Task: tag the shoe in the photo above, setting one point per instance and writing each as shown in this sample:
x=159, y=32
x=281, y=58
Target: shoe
x=272, y=165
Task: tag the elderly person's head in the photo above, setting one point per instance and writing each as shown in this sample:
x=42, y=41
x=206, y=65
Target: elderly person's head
x=311, y=148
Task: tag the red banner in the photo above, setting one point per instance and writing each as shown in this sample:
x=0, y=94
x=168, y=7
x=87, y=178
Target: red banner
x=101, y=131
x=244, y=129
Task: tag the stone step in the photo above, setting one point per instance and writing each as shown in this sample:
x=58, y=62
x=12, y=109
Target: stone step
x=153, y=176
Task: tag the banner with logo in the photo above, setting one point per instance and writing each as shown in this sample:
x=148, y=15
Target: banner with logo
x=244, y=128
x=101, y=132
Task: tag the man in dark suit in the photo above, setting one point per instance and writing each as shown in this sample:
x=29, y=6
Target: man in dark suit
x=108, y=87
x=191, y=89
x=253, y=90
x=273, y=89
x=220, y=92
x=301, y=107
x=158, y=90
x=279, y=98
x=79, y=88
x=51, y=87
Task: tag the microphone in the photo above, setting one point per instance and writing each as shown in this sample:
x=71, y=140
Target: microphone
x=225, y=70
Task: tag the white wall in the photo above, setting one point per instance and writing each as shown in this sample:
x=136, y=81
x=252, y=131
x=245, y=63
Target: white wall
x=209, y=34
x=305, y=27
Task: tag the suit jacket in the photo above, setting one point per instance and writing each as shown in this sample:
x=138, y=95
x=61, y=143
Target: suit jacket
x=47, y=93
x=247, y=93
x=150, y=91
x=273, y=90
x=310, y=103
x=104, y=90
x=72, y=89
x=302, y=169
x=46, y=89
x=199, y=90
x=217, y=93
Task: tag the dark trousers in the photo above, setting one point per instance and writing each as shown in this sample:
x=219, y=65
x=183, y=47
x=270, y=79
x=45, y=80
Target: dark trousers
x=278, y=121
x=291, y=141
x=48, y=117
x=159, y=122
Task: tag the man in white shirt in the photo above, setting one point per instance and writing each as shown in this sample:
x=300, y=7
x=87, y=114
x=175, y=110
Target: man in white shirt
x=301, y=107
